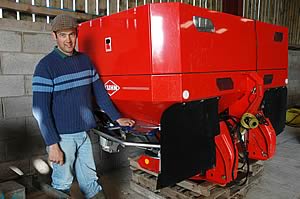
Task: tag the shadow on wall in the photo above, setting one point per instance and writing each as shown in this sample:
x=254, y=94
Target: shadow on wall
x=18, y=144
x=17, y=148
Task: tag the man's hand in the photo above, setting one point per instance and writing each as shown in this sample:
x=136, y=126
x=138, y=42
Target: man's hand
x=55, y=154
x=125, y=122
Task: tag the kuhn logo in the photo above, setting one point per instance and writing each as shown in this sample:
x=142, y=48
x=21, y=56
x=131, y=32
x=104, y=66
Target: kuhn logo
x=111, y=87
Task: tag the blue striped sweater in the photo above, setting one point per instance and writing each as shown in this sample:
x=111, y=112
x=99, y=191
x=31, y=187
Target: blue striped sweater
x=63, y=88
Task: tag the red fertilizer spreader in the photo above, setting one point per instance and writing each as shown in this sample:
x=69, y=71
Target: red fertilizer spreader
x=207, y=89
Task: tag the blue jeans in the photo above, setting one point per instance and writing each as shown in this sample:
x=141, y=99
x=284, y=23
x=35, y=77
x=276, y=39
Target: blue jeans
x=78, y=156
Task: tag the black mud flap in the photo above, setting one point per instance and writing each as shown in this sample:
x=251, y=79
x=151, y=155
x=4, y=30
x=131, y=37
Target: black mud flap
x=187, y=140
x=275, y=105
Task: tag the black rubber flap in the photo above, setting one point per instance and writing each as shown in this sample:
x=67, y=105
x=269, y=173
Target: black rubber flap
x=275, y=105
x=187, y=140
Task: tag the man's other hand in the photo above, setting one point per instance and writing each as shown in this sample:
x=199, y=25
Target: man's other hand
x=125, y=122
x=55, y=154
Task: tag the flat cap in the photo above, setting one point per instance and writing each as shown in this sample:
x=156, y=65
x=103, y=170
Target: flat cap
x=63, y=21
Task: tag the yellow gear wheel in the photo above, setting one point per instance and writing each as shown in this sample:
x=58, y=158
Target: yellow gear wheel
x=249, y=121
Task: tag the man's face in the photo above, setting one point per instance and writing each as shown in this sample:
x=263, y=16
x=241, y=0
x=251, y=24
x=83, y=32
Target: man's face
x=66, y=40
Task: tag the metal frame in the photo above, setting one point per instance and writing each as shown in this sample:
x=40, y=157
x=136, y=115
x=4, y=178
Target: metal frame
x=125, y=143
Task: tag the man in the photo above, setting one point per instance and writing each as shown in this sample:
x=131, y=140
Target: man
x=62, y=85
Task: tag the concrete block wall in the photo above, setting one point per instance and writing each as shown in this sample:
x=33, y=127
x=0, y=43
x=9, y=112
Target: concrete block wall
x=294, y=78
x=22, y=45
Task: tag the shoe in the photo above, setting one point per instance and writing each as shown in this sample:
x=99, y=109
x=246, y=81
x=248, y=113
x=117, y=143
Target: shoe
x=99, y=195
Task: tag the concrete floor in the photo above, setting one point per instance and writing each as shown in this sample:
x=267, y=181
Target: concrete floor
x=281, y=176
x=280, y=180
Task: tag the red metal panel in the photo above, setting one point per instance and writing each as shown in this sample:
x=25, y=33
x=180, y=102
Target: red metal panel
x=145, y=97
x=271, y=54
x=157, y=54
x=130, y=48
x=161, y=38
x=149, y=163
x=165, y=35
x=225, y=152
x=279, y=77
x=204, y=85
x=231, y=47
x=262, y=142
x=222, y=173
x=167, y=88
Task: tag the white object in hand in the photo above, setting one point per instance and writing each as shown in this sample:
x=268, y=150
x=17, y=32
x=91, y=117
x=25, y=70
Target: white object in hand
x=41, y=166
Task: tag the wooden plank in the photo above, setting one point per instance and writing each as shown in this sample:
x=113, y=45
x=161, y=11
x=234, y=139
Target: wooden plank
x=102, y=7
x=42, y=10
x=264, y=14
x=133, y=163
x=150, y=184
x=55, y=4
x=68, y=4
x=219, y=192
x=203, y=188
x=145, y=192
x=284, y=20
x=256, y=168
x=174, y=193
x=290, y=22
x=141, y=178
x=247, y=8
x=113, y=7
x=189, y=189
x=298, y=25
x=234, y=191
x=92, y=6
x=36, y=2
x=296, y=13
x=80, y=5
x=167, y=192
x=242, y=190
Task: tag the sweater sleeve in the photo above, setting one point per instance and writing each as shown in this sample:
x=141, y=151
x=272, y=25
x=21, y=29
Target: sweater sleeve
x=102, y=98
x=42, y=88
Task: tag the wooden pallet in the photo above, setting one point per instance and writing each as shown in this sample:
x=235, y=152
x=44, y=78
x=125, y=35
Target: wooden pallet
x=144, y=182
